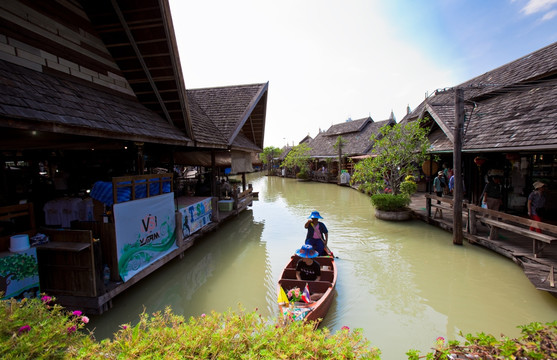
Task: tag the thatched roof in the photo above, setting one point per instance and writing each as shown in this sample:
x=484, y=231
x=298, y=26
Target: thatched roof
x=355, y=133
x=230, y=116
x=32, y=100
x=110, y=70
x=511, y=108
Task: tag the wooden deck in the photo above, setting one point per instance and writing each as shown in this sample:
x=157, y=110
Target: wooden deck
x=103, y=300
x=539, y=268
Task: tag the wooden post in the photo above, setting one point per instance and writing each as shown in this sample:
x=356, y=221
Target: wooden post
x=140, y=162
x=457, y=167
x=213, y=174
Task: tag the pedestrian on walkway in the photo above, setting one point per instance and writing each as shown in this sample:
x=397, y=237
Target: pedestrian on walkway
x=493, y=193
x=536, y=201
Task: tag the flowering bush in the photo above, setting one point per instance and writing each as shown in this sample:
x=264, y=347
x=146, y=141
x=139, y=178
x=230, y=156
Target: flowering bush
x=294, y=294
x=229, y=335
x=39, y=329
x=536, y=342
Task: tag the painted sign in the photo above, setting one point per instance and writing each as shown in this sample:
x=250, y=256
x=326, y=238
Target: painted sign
x=145, y=231
x=195, y=216
x=19, y=274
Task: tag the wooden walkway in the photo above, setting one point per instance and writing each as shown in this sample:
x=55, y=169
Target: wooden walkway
x=539, y=268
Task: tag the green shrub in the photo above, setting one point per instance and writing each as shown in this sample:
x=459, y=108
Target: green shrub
x=39, y=329
x=230, y=335
x=303, y=174
x=408, y=186
x=390, y=202
x=536, y=342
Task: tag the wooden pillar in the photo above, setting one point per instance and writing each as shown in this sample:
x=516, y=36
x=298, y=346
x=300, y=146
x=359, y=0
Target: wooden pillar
x=457, y=167
x=244, y=186
x=140, y=162
x=213, y=174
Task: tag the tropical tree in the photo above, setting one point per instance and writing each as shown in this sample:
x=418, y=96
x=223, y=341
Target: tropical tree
x=338, y=147
x=298, y=159
x=399, y=149
x=267, y=156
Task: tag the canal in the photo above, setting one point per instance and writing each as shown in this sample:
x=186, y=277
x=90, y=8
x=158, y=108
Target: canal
x=404, y=284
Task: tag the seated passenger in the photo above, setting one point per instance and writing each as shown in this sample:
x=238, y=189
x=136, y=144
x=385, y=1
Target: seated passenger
x=307, y=268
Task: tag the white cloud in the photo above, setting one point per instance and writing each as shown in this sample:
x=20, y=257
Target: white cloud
x=535, y=6
x=549, y=15
x=325, y=61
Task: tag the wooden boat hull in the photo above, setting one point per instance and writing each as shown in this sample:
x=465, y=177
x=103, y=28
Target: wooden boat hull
x=316, y=310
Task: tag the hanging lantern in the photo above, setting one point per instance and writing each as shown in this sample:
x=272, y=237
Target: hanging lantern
x=479, y=161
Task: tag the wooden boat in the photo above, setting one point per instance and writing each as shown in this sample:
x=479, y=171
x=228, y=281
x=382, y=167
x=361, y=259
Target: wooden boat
x=315, y=310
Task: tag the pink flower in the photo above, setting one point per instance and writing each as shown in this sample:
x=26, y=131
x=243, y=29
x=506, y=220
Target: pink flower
x=203, y=315
x=124, y=327
x=345, y=328
x=71, y=329
x=85, y=319
x=24, y=329
x=46, y=299
x=77, y=313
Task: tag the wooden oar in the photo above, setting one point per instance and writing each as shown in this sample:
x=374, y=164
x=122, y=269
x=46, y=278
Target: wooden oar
x=328, y=251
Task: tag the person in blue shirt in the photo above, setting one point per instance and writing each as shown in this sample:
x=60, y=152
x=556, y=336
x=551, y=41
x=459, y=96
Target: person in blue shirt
x=317, y=235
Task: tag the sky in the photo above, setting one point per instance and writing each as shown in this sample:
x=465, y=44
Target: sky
x=329, y=61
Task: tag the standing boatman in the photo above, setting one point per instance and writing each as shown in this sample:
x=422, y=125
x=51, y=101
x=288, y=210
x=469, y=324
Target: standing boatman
x=317, y=235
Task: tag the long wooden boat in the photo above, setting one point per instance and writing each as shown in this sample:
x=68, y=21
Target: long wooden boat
x=317, y=309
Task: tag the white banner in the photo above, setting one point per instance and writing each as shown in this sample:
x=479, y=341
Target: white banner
x=145, y=231
x=195, y=216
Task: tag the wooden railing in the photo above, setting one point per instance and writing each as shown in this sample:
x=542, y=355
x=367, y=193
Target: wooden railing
x=515, y=224
x=142, y=182
x=496, y=220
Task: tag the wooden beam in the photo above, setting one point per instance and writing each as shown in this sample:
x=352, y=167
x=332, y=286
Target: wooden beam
x=457, y=167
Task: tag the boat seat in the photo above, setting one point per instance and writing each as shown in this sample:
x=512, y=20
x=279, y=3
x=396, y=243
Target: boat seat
x=314, y=286
x=290, y=273
x=322, y=260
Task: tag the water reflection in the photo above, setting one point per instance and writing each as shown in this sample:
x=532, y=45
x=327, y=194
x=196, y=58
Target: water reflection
x=404, y=284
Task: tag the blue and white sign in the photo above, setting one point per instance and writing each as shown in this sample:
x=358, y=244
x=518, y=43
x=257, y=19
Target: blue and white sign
x=196, y=216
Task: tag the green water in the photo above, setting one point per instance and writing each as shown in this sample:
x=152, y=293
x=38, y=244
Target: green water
x=404, y=284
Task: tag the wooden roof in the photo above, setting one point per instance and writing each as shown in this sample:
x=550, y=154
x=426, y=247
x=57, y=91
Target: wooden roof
x=511, y=108
x=121, y=77
x=355, y=133
x=232, y=116
x=139, y=35
x=31, y=100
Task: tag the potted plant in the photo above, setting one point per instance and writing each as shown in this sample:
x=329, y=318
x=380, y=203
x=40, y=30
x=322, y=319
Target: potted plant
x=398, y=149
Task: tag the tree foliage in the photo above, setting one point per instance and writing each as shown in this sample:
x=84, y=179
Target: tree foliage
x=298, y=158
x=19, y=266
x=268, y=154
x=399, y=149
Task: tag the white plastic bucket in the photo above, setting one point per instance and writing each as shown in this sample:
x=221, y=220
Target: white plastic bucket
x=19, y=242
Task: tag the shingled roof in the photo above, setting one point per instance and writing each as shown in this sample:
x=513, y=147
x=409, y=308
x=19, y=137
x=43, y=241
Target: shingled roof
x=511, y=108
x=230, y=115
x=140, y=37
x=355, y=133
x=37, y=101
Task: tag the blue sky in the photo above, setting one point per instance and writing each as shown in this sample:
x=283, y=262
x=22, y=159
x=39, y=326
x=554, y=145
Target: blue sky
x=327, y=61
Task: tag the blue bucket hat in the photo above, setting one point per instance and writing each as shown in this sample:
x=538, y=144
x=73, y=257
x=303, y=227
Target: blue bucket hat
x=315, y=215
x=306, y=251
